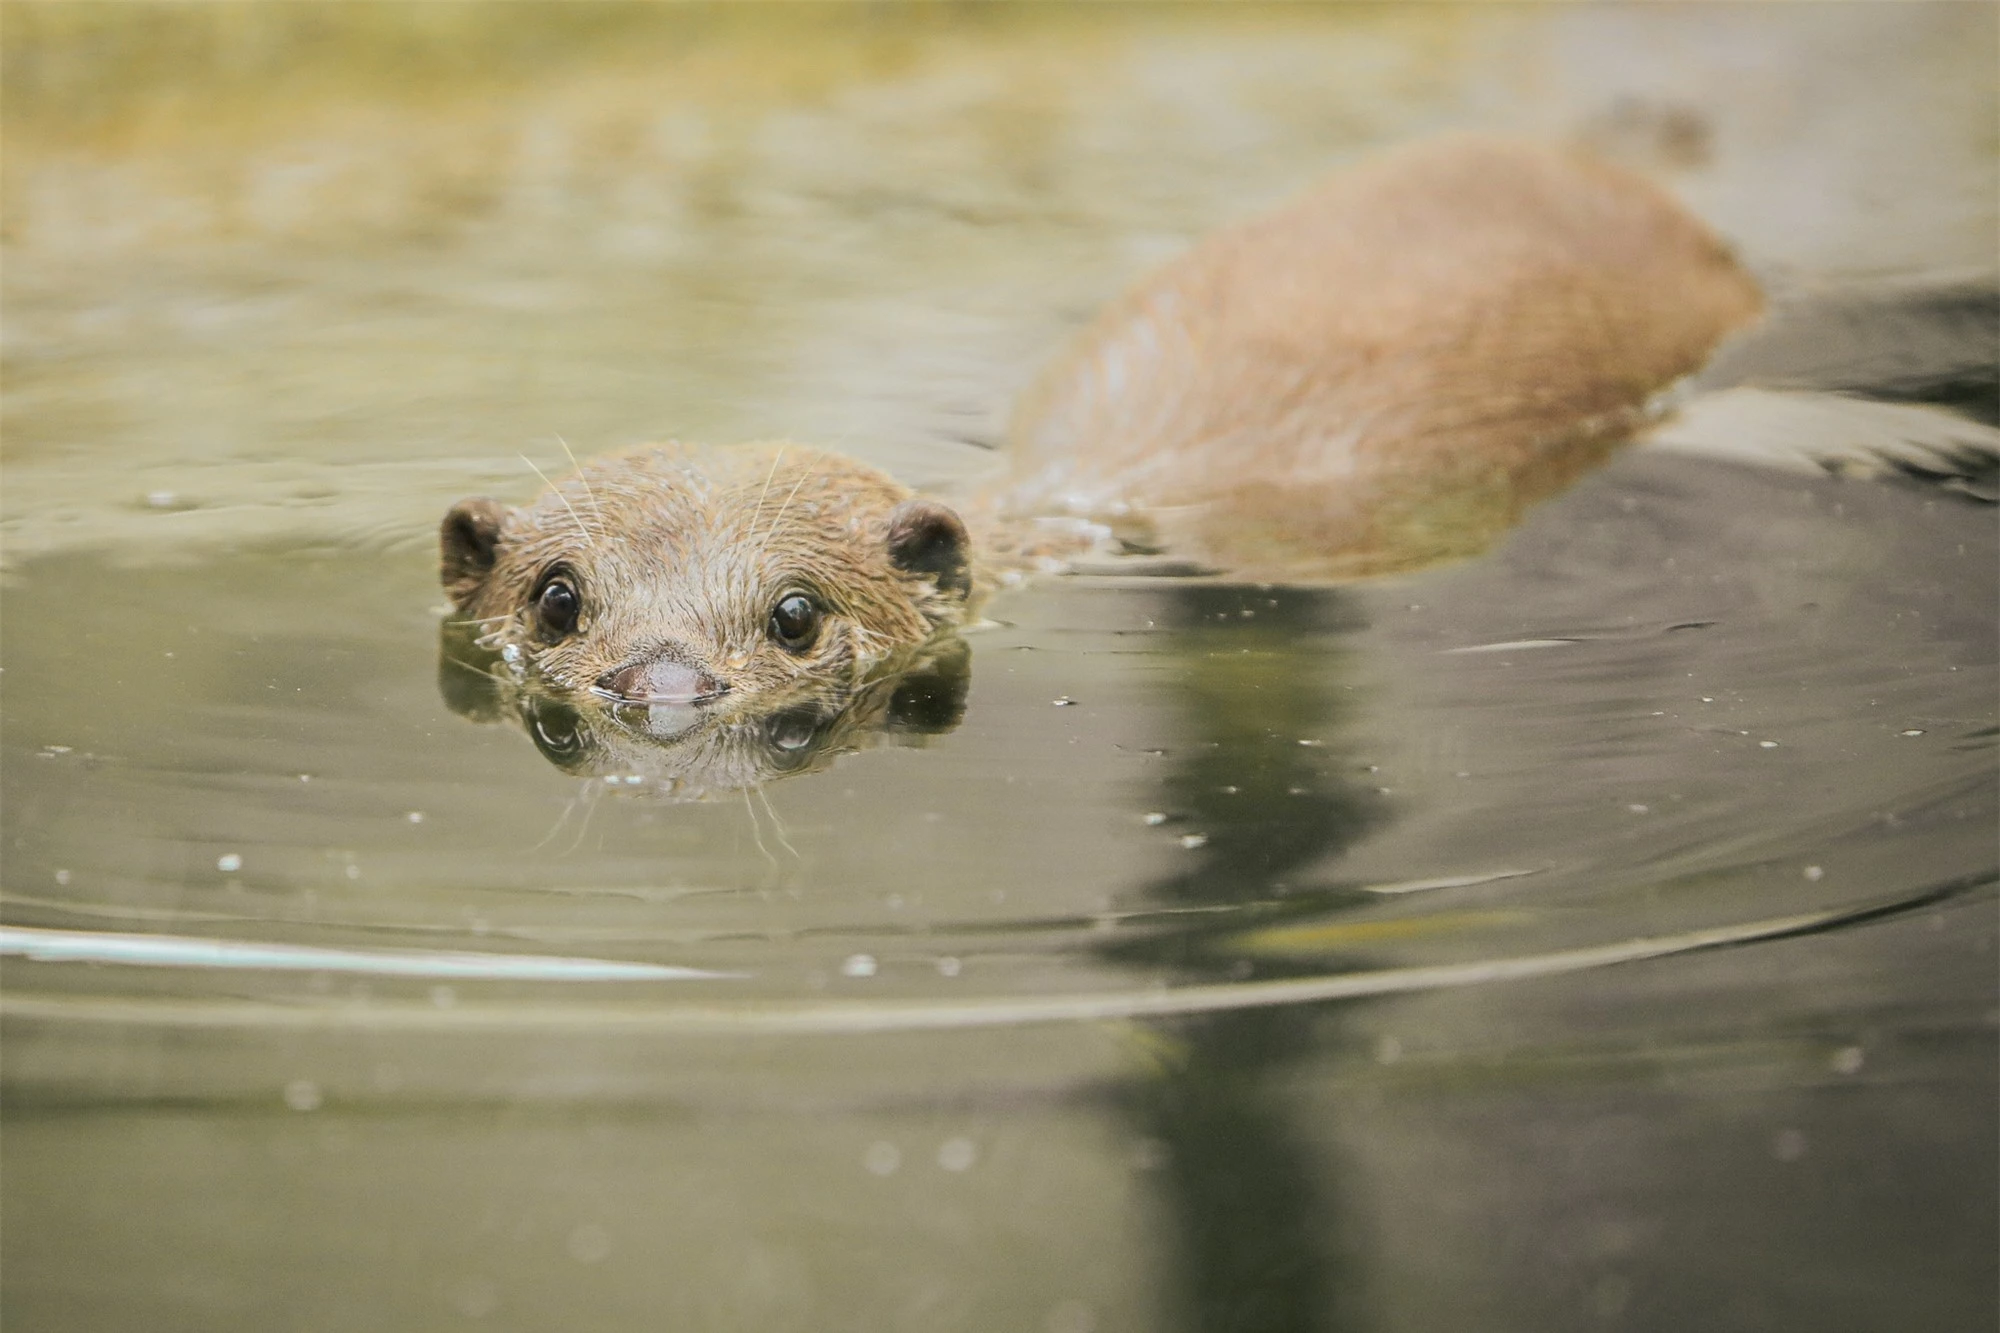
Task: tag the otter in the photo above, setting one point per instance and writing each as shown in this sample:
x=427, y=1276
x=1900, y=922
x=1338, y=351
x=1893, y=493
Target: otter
x=1380, y=374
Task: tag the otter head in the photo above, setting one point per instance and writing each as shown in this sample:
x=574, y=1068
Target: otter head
x=714, y=579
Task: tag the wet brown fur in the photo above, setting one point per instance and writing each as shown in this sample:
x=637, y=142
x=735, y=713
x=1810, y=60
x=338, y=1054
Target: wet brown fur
x=1386, y=369
x=1379, y=374
x=683, y=551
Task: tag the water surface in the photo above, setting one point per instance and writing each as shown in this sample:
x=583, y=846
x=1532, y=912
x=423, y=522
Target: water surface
x=1596, y=934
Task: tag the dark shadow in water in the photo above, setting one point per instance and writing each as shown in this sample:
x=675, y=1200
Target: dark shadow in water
x=1260, y=1240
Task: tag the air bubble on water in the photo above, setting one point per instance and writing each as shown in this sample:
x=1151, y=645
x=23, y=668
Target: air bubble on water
x=62, y=877
x=1229, y=791
x=443, y=997
x=302, y=1094
x=1708, y=698
x=1815, y=873
x=1847, y=1060
x=511, y=654
x=1767, y=745
x=305, y=777
x=229, y=863
x=1194, y=840
x=1913, y=731
x=1064, y=701
x=1155, y=818
x=415, y=816
x=949, y=967
x=858, y=965
x=589, y=1244
x=51, y=751
x=1638, y=809
x=161, y=499
x=882, y=1158
x=1312, y=744
x=353, y=871
x=633, y=779
x=1388, y=1050
x=957, y=1154
x=1789, y=1146
x=609, y=779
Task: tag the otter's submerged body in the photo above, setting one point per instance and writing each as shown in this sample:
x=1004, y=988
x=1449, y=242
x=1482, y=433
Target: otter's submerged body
x=1380, y=374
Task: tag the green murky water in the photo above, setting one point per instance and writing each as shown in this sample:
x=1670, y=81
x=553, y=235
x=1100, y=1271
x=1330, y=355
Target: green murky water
x=1597, y=934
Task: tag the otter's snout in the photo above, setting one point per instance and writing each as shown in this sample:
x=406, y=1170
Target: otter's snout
x=660, y=681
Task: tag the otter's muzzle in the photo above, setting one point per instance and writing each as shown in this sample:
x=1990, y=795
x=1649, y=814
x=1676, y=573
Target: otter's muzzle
x=661, y=681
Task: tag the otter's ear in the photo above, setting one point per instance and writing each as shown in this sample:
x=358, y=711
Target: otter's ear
x=467, y=543
x=926, y=537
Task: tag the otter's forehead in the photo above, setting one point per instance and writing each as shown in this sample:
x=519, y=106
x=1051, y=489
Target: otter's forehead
x=731, y=512
x=746, y=492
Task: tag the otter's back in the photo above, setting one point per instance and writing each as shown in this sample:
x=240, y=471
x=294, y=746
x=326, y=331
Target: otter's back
x=1469, y=317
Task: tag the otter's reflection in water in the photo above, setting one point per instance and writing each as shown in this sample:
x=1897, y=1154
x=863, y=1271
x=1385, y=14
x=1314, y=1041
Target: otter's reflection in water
x=1244, y=1176
x=691, y=751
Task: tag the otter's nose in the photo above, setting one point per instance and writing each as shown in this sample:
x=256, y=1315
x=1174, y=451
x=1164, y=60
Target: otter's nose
x=660, y=682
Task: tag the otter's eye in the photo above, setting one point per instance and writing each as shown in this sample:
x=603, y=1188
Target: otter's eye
x=557, y=606
x=795, y=622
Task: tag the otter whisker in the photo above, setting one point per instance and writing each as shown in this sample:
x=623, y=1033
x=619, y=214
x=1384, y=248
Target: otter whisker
x=757, y=515
x=587, y=540
x=756, y=834
x=590, y=797
x=569, y=807
x=772, y=530
x=777, y=824
x=595, y=507
x=496, y=678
